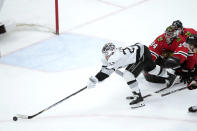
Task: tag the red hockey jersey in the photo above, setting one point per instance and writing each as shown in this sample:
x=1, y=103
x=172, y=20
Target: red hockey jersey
x=191, y=63
x=187, y=32
x=159, y=46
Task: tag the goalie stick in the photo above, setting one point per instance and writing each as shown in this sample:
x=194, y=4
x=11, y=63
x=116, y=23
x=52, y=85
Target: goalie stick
x=15, y=118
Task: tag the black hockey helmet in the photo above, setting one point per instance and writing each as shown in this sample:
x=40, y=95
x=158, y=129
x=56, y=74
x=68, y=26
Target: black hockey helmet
x=177, y=24
x=192, y=40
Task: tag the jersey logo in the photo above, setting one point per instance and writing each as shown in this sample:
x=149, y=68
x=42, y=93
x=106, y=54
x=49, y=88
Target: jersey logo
x=178, y=39
x=160, y=39
x=188, y=34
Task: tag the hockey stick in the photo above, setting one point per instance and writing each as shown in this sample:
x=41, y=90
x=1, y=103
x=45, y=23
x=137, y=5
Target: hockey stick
x=120, y=73
x=15, y=118
x=151, y=94
x=158, y=91
x=170, y=92
x=165, y=94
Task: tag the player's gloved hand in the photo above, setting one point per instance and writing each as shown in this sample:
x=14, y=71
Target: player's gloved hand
x=192, y=85
x=185, y=76
x=92, y=82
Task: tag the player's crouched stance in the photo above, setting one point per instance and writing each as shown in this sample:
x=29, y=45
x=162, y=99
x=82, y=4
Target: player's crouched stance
x=134, y=59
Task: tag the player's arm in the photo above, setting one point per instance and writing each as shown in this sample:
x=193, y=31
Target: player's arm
x=154, y=49
x=100, y=76
x=181, y=52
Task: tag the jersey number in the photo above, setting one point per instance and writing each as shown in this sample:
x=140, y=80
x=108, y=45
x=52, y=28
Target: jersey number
x=131, y=50
x=154, y=45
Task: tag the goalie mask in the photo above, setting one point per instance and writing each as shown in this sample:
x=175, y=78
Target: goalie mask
x=108, y=50
x=170, y=34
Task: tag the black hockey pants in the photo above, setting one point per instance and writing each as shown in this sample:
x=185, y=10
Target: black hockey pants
x=144, y=63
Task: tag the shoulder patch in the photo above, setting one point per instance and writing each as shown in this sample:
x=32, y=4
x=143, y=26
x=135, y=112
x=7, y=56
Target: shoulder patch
x=188, y=34
x=160, y=39
x=178, y=39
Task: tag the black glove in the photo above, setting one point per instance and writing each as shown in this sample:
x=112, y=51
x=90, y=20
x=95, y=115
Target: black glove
x=172, y=62
x=185, y=75
x=192, y=87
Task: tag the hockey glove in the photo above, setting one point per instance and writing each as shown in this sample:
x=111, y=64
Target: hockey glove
x=92, y=82
x=192, y=85
x=172, y=62
x=186, y=75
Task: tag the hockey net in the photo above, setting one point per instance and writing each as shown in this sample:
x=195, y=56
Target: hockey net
x=35, y=15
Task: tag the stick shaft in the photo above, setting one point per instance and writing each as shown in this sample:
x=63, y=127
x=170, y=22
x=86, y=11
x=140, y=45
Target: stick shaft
x=32, y=116
x=170, y=92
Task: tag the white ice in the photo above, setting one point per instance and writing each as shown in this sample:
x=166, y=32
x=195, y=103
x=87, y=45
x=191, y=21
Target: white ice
x=27, y=91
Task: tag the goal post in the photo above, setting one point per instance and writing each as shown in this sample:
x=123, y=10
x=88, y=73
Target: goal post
x=57, y=17
x=33, y=15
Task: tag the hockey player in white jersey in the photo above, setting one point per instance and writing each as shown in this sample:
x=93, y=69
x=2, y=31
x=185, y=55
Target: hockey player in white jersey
x=134, y=59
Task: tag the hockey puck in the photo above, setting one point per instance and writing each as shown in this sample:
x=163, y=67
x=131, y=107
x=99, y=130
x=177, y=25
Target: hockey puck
x=15, y=118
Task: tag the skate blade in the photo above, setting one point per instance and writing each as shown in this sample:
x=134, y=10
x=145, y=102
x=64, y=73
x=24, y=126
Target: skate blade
x=137, y=105
x=129, y=97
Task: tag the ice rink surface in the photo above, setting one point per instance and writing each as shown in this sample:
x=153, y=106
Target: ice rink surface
x=84, y=27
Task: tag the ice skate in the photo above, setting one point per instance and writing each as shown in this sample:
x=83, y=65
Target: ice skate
x=137, y=100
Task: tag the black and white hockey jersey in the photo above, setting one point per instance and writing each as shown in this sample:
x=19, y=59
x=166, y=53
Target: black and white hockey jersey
x=121, y=58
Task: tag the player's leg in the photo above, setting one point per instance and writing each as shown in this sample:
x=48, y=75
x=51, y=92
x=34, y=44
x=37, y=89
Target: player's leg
x=153, y=69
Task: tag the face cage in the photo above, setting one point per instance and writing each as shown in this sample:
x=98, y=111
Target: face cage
x=108, y=52
x=169, y=37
